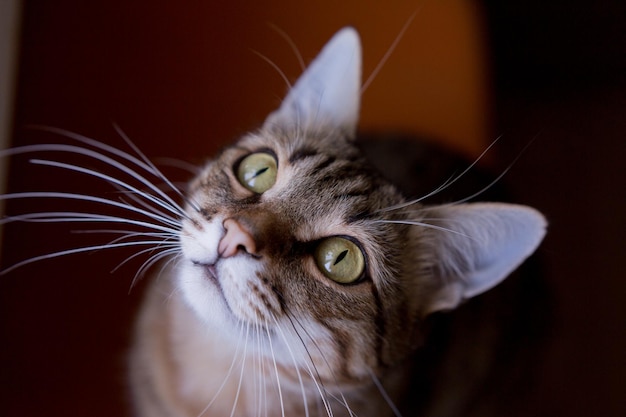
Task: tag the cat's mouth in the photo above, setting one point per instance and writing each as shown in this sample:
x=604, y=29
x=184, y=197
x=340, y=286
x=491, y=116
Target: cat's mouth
x=245, y=299
x=211, y=274
x=210, y=271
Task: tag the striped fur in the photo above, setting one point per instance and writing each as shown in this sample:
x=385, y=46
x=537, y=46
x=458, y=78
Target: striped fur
x=241, y=320
x=259, y=330
x=340, y=334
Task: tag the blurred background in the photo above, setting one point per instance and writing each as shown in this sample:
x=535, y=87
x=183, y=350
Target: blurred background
x=184, y=79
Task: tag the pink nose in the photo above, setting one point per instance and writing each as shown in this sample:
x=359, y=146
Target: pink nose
x=236, y=237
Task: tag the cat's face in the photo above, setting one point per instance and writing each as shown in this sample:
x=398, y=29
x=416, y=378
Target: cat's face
x=291, y=235
x=302, y=246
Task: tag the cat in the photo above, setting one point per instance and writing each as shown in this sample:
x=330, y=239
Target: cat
x=304, y=277
x=297, y=280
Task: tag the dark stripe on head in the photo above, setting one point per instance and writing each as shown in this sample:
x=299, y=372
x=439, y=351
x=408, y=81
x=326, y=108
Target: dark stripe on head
x=325, y=163
x=381, y=325
x=249, y=200
x=343, y=343
x=302, y=153
x=207, y=213
x=341, y=174
x=357, y=192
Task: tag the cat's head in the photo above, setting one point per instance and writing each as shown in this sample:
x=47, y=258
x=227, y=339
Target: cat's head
x=291, y=233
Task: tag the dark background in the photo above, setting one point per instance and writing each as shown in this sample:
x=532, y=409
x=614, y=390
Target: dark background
x=561, y=74
x=182, y=81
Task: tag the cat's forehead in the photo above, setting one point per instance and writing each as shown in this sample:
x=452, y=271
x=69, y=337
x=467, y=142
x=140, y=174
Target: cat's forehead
x=293, y=145
x=324, y=185
x=323, y=166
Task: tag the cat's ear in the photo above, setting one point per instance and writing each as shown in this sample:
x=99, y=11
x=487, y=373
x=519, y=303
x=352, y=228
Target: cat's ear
x=475, y=246
x=327, y=94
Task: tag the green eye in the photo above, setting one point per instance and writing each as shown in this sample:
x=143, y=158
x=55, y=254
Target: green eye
x=257, y=172
x=340, y=259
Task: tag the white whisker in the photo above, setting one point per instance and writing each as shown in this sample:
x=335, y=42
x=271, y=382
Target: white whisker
x=295, y=364
x=129, y=234
x=243, y=366
x=280, y=391
x=100, y=157
x=169, y=205
x=93, y=199
x=79, y=217
x=91, y=142
x=146, y=164
x=168, y=247
x=135, y=198
x=74, y=251
x=315, y=376
x=180, y=164
x=427, y=225
x=153, y=169
x=228, y=373
x=498, y=178
x=383, y=392
x=172, y=253
x=445, y=185
x=276, y=67
x=291, y=44
x=262, y=383
x=390, y=50
x=256, y=366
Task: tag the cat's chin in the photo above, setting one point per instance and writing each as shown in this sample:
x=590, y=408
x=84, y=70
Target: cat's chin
x=229, y=290
x=203, y=294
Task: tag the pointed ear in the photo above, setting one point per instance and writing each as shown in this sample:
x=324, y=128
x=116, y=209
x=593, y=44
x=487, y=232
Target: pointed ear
x=327, y=95
x=483, y=243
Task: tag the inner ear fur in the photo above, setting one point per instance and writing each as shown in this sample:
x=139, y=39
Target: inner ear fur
x=471, y=248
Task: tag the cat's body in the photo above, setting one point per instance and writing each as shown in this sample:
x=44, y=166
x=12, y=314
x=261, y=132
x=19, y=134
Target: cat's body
x=304, y=277
x=299, y=279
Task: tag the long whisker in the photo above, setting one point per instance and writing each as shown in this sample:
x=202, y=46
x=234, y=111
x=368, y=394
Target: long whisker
x=74, y=251
x=447, y=184
x=243, y=366
x=314, y=373
x=172, y=253
x=258, y=373
x=383, y=392
x=153, y=167
x=321, y=389
x=498, y=178
x=428, y=225
x=228, y=373
x=276, y=67
x=127, y=234
x=73, y=217
x=180, y=164
x=280, y=391
x=134, y=198
x=146, y=164
x=291, y=44
x=390, y=50
x=89, y=198
x=91, y=142
x=100, y=157
x=295, y=364
x=172, y=207
x=263, y=402
x=173, y=248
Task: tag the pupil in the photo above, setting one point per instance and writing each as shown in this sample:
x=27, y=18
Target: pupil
x=260, y=171
x=341, y=256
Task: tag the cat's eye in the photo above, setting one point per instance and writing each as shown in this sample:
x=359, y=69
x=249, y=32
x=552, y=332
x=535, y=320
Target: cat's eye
x=257, y=172
x=340, y=259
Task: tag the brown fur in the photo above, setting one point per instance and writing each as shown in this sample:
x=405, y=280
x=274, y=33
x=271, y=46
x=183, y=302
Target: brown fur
x=263, y=330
